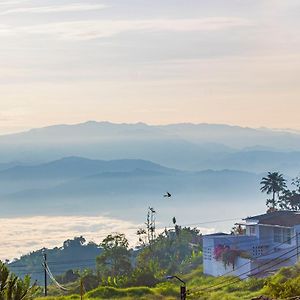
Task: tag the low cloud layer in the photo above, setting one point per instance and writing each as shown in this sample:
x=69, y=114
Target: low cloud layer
x=22, y=235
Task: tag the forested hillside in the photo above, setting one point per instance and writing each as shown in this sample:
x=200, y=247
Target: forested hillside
x=74, y=254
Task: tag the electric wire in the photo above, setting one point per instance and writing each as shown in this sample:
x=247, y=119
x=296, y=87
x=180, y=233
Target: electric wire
x=247, y=273
x=235, y=280
x=271, y=251
x=53, y=278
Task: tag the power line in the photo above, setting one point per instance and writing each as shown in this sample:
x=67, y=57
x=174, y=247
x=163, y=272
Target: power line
x=267, y=269
x=260, y=256
x=25, y=272
x=267, y=263
x=30, y=273
x=208, y=222
x=191, y=224
x=59, y=263
x=54, y=280
x=251, y=243
x=248, y=273
x=74, y=263
x=93, y=260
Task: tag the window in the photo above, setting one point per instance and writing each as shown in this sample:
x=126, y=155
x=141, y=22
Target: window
x=277, y=235
x=286, y=235
x=252, y=230
x=282, y=235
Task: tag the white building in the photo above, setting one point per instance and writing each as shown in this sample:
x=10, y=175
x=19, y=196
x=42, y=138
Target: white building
x=269, y=243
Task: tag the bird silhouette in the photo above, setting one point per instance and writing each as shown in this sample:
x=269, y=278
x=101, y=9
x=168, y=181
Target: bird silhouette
x=168, y=195
x=152, y=210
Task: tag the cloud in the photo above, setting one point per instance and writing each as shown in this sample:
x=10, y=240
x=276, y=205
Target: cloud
x=86, y=30
x=22, y=235
x=56, y=8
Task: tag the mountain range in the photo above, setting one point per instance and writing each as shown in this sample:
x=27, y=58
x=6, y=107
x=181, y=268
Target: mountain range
x=124, y=187
x=183, y=146
x=121, y=169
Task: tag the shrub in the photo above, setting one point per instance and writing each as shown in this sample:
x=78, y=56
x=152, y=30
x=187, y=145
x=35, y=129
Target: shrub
x=111, y=292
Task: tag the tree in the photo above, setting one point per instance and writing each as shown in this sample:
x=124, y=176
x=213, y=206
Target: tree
x=147, y=235
x=290, y=199
x=238, y=230
x=176, y=227
x=273, y=184
x=296, y=183
x=13, y=288
x=150, y=225
x=68, y=276
x=170, y=251
x=76, y=242
x=115, y=258
x=142, y=235
x=89, y=279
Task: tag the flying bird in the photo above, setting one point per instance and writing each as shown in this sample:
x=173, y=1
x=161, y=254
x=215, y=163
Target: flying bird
x=152, y=210
x=168, y=195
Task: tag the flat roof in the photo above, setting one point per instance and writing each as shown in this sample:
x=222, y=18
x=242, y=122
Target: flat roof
x=284, y=218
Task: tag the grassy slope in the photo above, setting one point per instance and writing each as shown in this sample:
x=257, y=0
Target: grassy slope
x=170, y=290
x=282, y=285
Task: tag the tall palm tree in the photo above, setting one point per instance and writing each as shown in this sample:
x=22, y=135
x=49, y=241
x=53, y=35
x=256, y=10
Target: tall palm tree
x=273, y=183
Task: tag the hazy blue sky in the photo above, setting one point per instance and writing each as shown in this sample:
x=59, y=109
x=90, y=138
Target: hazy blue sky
x=156, y=61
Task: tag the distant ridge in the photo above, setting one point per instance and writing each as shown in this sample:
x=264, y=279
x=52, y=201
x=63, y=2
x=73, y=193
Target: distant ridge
x=185, y=146
x=75, y=184
x=184, y=125
x=73, y=167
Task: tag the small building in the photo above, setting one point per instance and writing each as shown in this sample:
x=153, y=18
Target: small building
x=269, y=242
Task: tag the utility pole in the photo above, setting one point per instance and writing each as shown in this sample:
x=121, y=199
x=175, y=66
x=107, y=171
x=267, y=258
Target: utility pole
x=45, y=274
x=297, y=245
x=81, y=288
x=182, y=287
x=183, y=292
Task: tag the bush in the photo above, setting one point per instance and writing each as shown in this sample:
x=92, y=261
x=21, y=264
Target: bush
x=111, y=292
x=166, y=289
x=253, y=284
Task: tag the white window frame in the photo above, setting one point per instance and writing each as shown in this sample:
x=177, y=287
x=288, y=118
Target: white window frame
x=282, y=235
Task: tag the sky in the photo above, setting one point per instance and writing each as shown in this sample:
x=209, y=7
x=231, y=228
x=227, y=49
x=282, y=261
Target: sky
x=159, y=62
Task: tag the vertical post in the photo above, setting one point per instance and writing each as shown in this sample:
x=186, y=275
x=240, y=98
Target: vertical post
x=81, y=288
x=45, y=275
x=183, y=292
x=182, y=287
x=297, y=245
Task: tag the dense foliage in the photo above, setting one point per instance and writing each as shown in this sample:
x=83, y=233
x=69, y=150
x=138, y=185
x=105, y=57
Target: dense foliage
x=115, y=258
x=60, y=259
x=283, y=285
x=13, y=288
x=172, y=251
x=282, y=197
x=140, y=273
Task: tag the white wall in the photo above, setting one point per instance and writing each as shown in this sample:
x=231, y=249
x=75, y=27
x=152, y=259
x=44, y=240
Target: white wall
x=216, y=268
